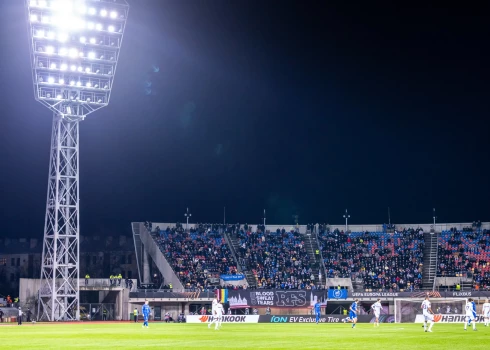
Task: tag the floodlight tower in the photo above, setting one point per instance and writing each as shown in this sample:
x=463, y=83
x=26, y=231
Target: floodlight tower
x=74, y=47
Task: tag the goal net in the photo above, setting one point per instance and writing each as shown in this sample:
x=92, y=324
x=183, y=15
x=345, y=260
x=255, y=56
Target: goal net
x=409, y=310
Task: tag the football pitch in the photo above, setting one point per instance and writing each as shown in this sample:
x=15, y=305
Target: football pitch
x=241, y=336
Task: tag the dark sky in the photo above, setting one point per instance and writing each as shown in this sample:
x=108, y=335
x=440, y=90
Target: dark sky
x=292, y=106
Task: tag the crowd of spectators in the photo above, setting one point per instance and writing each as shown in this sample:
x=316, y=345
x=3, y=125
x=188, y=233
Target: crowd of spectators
x=277, y=259
x=197, y=256
x=465, y=253
x=384, y=261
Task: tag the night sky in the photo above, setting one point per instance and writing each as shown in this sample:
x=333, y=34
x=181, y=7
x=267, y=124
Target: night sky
x=295, y=107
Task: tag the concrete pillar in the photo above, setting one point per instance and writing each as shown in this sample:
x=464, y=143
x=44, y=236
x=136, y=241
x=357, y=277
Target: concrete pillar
x=146, y=267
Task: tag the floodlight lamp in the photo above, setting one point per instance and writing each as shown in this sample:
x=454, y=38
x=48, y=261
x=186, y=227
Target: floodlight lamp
x=53, y=65
x=73, y=68
x=79, y=83
x=72, y=82
x=92, y=11
x=88, y=84
x=34, y=18
x=45, y=19
x=113, y=14
x=40, y=33
x=33, y=3
x=82, y=9
x=63, y=66
x=42, y=3
x=87, y=70
x=99, y=100
x=73, y=53
x=90, y=25
x=50, y=49
x=111, y=28
x=59, y=97
x=48, y=95
x=51, y=80
x=80, y=69
x=61, y=81
x=98, y=26
x=83, y=39
x=51, y=35
x=88, y=99
x=80, y=54
x=103, y=13
x=41, y=64
x=91, y=55
x=93, y=41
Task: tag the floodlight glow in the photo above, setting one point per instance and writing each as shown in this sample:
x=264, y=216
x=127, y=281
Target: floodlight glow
x=113, y=14
x=88, y=84
x=87, y=70
x=111, y=28
x=32, y=3
x=42, y=3
x=82, y=10
x=40, y=33
x=72, y=82
x=79, y=83
x=53, y=65
x=73, y=68
x=90, y=25
x=92, y=11
x=98, y=26
x=80, y=54
x=80, y=69
x=51, y=35
x=59, y=97
x=61, y=81
x=62, y=37
x=49, y=49
x=93, y=41
x=45, y=19
x=33, y=18
x=91, y=55
x=83, y=39
x=62, y=51
x=51, y=80
x=103, y=13
x=64, y=66
x=73, y=53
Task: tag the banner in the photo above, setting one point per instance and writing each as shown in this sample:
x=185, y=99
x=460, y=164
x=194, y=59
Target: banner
x=227, y=278
x=337, y=293
x=245, y=298
x=323, y=319
x=420, y=294
x=440, y=318
x=225, y=318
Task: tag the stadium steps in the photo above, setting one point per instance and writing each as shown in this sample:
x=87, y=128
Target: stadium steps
x=311, y=244
x=235, y=246
x=429, y=270
x=111, y=297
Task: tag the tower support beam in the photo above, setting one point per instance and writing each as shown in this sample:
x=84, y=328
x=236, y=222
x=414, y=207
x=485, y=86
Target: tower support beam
x=59, y=291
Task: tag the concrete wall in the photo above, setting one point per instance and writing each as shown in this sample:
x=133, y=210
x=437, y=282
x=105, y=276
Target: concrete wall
x=152, y=248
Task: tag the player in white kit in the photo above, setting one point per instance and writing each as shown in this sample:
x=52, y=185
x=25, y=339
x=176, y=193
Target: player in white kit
x=220, y=311
x=428, y=314
x=486, y=312
x=470, y=309
x=213, y=318
x=377, y=311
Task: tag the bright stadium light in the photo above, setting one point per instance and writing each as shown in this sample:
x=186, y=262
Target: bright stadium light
x=68, y=80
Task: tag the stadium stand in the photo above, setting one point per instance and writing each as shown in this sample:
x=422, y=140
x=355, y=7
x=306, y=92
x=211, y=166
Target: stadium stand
x=277, y=259
x=384, y=261
x=197, y=257
x=465, y=253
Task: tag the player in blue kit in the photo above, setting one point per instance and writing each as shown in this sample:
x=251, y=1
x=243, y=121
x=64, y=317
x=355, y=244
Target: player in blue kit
x=145, y=310
x=352, y=313
x=318, y=310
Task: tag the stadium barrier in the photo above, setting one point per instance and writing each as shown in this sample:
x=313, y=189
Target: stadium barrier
x=286, y=319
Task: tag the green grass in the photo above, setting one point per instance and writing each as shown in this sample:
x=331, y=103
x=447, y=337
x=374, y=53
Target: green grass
x=241, y=336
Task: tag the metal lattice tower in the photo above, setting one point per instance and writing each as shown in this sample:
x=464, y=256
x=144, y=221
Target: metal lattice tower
x=75, y=47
